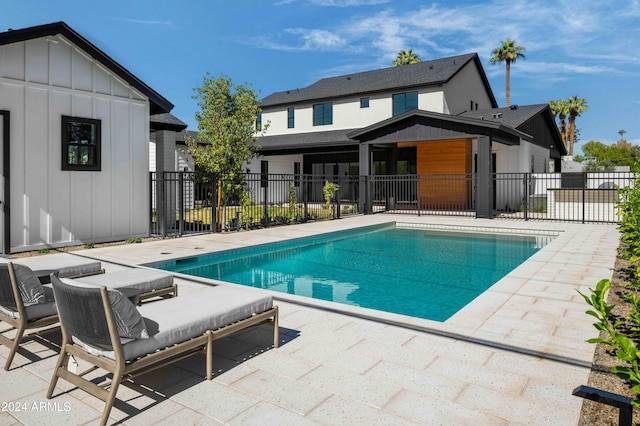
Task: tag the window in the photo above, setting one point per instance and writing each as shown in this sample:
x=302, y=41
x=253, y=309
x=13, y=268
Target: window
x=290, y=118
x=403, y=102
x=323, y=114
x=364, y=102
x=80, y=144
x=259, y=122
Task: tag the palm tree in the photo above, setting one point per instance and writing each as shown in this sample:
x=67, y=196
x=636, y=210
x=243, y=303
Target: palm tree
x=560, y=108
x=621, y=133
x=508, y=52
x=576, y=107
x=406, y=57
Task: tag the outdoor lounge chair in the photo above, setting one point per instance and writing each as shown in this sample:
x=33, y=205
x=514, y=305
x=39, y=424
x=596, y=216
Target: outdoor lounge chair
x=65, y=264
x=27, y=304
x=103, y=328
x=24, y=304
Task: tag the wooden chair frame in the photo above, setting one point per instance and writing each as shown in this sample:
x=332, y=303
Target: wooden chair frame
x=21, y=324
x=122, y=369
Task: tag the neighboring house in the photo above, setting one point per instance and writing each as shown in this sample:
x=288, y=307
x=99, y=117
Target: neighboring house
x=177, y=160
x=434, y=117
x=75, y=128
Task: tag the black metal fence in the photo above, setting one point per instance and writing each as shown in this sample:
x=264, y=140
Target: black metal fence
x=187, y=202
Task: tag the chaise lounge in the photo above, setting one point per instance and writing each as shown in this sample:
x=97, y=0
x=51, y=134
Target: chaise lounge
x=65, y=264
x=26, y=304
x=103, y=328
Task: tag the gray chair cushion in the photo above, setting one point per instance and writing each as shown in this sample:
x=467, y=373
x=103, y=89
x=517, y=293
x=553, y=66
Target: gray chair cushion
x=66, y=264
x=143, y=280
x=181, y=318
x=37, y=310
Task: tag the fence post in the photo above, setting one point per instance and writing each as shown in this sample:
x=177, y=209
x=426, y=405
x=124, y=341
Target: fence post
x=214, y=202
x=180, y=195
x=265, y=217
x=151, y=192
x=584, y=193
x=305, y=197
x=526, y=196
x=160, y=205
x=418, y=193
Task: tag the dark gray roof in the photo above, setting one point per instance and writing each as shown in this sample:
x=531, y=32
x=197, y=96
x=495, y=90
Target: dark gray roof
x=306, y=140
x=512, y=116
x=505, y=129
x=167, y=121
x=425, y=73
x=158, y=103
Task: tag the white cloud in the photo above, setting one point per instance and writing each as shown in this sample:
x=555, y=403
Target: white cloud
x=559, y=37
x=317, y=39
x=346, y=3
x=147, y=22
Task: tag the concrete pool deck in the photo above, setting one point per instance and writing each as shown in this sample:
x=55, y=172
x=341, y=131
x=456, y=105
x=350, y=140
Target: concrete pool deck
x=512, y=356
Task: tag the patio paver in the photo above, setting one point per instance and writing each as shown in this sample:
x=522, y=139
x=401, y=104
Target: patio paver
x=512, y=356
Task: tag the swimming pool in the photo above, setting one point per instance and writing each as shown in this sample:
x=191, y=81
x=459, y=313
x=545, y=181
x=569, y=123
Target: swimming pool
x=413, y=271
x=418, y=272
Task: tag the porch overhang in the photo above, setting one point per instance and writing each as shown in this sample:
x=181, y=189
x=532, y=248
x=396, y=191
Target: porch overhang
x=420, y=126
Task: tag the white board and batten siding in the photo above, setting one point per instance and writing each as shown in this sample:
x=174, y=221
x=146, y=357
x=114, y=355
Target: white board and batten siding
x=40, y=81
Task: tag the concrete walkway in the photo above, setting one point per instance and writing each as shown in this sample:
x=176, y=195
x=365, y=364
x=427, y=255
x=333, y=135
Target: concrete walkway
x=512, y=356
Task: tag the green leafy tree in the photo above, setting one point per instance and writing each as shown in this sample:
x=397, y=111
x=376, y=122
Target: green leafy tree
x=406, y=57
x=508, y=53
x=577, y=106
x=227, y=122
x=616, y=154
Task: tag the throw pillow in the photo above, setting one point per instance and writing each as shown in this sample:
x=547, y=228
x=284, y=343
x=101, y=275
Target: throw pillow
x=128, y=320
x=29, y=285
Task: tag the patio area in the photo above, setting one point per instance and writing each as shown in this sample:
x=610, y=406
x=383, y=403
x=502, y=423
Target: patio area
x=512, y=356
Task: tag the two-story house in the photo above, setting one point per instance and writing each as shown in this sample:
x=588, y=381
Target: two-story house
x=434, y=117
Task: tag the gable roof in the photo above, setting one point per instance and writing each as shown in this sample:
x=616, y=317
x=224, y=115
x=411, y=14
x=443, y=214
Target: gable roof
x=520, y=117
x=513, y=116
x=158, y=104
x=438, y=71
x=166, y=121
x=450, y=123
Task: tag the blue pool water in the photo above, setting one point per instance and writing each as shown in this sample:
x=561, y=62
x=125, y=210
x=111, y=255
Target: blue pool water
x=416, y=272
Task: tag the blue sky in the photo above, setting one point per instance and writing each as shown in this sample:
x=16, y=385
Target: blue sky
x=589, y=48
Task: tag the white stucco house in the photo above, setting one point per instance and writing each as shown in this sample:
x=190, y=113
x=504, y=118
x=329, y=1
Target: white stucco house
x=434, y=117
x=74, y=140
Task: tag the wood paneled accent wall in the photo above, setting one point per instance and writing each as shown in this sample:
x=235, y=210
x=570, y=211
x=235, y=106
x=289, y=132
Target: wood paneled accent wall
x=435, y=159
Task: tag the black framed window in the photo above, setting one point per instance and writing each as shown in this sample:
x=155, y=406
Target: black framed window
x=323, y=114
x=290, y=118
x=364, y=102
x=259, y=122
x=403, y=102
x=81, y=143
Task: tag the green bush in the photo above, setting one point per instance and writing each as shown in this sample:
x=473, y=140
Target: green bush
x=621, y=334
